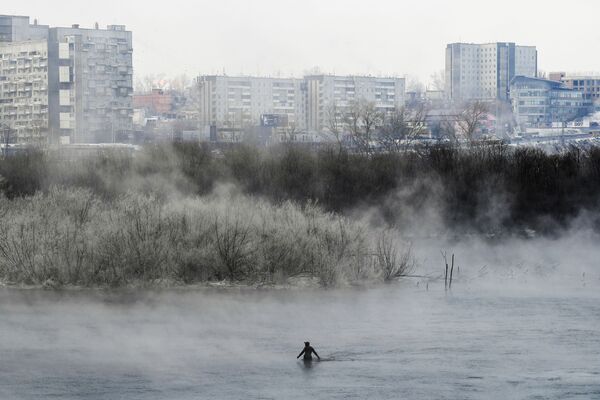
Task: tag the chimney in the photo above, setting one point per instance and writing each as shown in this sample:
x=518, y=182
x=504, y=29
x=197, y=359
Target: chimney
x=35, y=22
x=75, y=26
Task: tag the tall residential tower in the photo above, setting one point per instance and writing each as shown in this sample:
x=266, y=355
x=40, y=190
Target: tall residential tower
x=484, y=71
x=69, y=85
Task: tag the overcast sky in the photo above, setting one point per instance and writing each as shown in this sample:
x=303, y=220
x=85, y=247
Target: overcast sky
x=290, y=37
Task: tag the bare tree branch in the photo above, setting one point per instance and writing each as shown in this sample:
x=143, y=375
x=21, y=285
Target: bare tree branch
x=470, y=119
x=401, y=128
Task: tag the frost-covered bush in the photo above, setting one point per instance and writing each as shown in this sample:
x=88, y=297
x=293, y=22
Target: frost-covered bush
x=392, y=263
x=74, y=237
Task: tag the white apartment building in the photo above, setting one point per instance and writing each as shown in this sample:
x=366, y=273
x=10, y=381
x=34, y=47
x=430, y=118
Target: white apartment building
x=326, y=92
x=70, y=85
x=24, y=90
x=484, y=71
x=239, y=102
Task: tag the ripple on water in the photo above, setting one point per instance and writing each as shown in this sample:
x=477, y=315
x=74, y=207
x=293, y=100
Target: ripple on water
x=382, y=344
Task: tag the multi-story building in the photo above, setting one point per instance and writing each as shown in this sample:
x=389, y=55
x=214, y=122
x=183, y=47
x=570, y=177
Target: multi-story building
x=157, y=102
x=86, y=85
x=240, y=102
x=91, y=83
x=556, y=76
x=24, y=90
x=304, y=104
x=327, y=94
x=484, y=71
x=544, y=103
x=18, y=29
x=589, y=85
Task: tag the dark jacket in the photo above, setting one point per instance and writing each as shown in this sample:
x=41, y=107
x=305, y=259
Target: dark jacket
x=308, y=352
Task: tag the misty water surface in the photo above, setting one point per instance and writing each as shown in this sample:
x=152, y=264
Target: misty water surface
x=396, y=341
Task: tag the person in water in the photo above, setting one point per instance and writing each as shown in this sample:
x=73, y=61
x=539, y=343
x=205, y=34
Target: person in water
x=308, y=352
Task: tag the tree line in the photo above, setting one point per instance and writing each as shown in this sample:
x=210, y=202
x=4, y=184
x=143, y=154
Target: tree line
x=485, y=187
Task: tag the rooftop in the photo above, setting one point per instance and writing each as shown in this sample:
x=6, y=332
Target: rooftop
x=14, y=16
x=307, y=76
x=582, y=77
x=552, y=84
x=489, y=43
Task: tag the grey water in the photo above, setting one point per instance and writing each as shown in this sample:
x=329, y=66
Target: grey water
x=390, y=342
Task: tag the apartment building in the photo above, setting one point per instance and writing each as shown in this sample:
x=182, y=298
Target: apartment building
x=24, y=90
x=484, y=71
x=15, y=28
x=91, y=83
x=327, y=94
x=302, y=104
x=589, y=85
x=240, y=102
x=81, y=78
x=157, y=102
x=544, y=103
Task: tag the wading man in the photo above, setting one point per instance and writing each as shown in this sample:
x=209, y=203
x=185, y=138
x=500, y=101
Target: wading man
x=308, y=352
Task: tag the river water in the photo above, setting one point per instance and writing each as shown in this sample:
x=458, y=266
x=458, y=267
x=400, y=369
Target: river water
x=390, y=342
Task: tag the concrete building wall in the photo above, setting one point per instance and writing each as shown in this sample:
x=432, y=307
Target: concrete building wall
x=157, y=102
x=18, y=29
x=542, y=103
x=329, y=94
x=526, y=61
x=239, y=102
x=556, y=76
x=99, y=65
x=484, y=71
x=88, y=78
x=24, y=90
x=589, y=85
x=314, y=105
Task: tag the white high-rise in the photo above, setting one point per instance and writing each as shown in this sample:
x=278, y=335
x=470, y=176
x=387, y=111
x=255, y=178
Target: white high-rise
x=240, y=102
x=327, y=91
x=65, y=84
x=24, y=90
x=484, y=71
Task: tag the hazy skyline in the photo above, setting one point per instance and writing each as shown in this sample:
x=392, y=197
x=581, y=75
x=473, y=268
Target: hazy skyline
x=287, y=37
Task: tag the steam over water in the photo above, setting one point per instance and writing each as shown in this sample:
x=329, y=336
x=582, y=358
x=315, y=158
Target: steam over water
x=397, y=341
